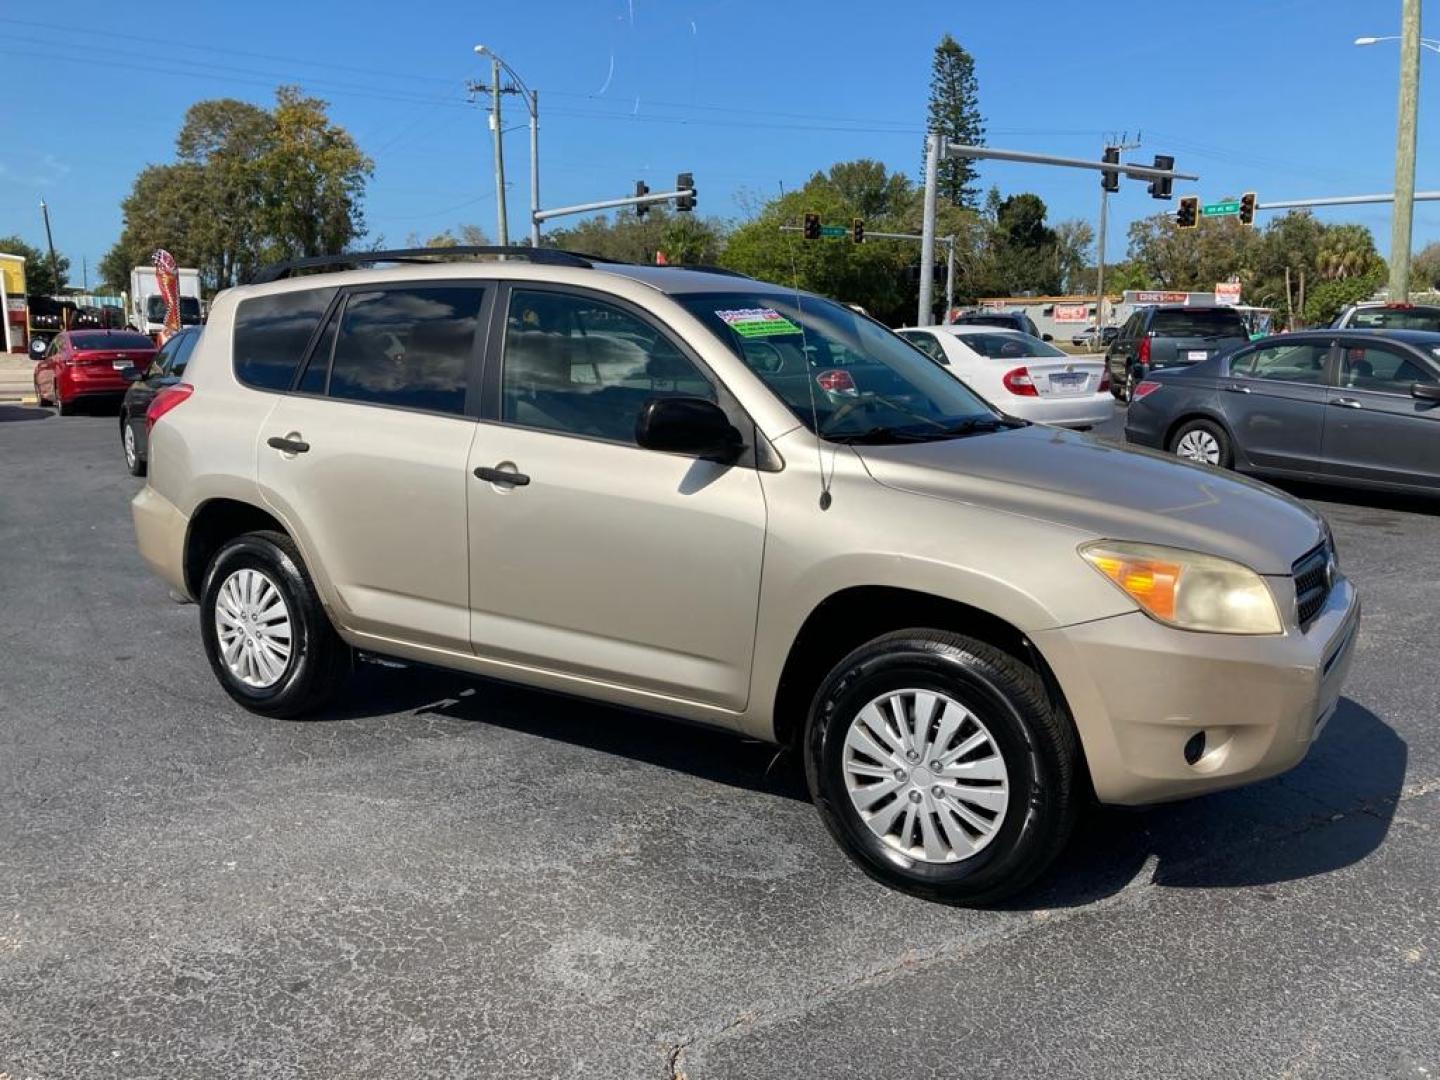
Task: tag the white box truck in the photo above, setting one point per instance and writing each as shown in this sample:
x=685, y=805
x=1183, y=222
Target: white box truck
x=147, y=306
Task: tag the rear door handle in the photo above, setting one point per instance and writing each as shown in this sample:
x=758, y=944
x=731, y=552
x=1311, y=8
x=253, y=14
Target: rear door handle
x=502, y=476
x=1236, y=388
x=288, y=446
x=1345, y=402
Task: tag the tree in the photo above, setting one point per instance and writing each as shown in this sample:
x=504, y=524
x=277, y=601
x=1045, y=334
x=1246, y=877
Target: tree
x=1328, y=298
x=955, y=114
x=38, y=278
x=1073, y=240
x=1424, y=266
x=1191, y=259
x=628, y=237
x=1348, y=251
x=249, y=186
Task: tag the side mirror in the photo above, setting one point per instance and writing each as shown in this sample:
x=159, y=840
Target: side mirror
x=688, y=425
x=1425, y=391
x=1047, y=337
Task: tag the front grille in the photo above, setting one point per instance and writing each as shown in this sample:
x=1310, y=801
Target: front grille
x=1313, y=578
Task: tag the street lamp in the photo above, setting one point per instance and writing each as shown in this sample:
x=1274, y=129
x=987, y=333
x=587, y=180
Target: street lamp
x=1425, y=43
x=532, y=103
x=1403, y=214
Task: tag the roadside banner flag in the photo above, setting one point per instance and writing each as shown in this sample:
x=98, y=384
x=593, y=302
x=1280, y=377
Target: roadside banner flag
x=167, y=278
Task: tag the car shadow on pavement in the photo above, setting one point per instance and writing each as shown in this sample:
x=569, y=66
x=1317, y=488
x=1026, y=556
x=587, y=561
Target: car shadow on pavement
x=1360, y=498
x=10, y=413
x=707, y=753
x=1330, y=811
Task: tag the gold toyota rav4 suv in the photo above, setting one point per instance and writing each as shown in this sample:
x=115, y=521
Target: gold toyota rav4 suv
x=705, y=496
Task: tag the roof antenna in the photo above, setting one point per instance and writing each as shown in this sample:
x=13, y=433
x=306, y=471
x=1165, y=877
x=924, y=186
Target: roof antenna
x=825, y=497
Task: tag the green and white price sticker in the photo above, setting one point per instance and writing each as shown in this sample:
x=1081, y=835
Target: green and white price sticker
x=757, y=322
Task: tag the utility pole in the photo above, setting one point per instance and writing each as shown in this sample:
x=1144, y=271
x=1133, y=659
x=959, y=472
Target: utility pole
x=50, y=243
x=1400, y=222
x=534, y=167
x=934, y=148
x=502, y=224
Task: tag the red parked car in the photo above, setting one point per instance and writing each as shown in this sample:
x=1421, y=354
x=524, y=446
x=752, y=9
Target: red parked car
x=90, y=364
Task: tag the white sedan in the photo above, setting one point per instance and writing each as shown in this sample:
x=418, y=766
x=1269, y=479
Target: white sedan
x=1020, y=374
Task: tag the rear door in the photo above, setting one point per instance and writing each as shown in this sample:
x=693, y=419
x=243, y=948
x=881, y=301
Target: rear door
x=1273, y=400
x=1375, y=430
x=1122, y=350
x=1189, y=335
x=608, y=562
x=365, y=458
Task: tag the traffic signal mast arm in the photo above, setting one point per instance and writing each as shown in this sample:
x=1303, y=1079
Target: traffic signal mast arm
x=651, y=199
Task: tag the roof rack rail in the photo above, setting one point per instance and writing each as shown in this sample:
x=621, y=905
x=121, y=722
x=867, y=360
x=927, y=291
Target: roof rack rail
x=706, y=268
x=348, y=259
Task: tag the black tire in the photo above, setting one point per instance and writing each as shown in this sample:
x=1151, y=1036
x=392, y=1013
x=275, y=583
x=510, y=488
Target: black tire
x=40, y=398
x=138, y=464
x=1036, y=742
x=1214, y=430
x=1117, y=386
x=319, y=661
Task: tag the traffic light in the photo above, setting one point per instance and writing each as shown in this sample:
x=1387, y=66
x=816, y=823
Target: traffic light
x=682, y=182
x=857, y=230
x=1247, y=208
x=1160, y=186
x=1109, y=179
x=1187, y=214
x=641, y=188
x=812, y=226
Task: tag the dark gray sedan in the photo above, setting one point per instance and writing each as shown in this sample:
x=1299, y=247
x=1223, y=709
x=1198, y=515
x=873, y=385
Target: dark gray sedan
x=1338, y=406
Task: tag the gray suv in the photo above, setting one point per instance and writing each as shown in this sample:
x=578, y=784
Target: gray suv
x=1168, y=336
x=704, y=496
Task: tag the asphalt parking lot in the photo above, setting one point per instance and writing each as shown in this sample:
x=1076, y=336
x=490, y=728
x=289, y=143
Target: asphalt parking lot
x=454, y=878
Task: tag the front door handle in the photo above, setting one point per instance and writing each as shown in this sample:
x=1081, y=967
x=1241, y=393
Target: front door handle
x=287, y=445
x=1236, y=388
x=1345, y=402
x=502, y=476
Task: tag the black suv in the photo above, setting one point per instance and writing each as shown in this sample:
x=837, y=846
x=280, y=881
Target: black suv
x=1170, y=335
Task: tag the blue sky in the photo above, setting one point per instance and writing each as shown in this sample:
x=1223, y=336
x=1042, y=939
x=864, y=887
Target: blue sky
x=749, y=96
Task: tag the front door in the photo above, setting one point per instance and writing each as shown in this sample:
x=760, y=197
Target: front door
x=1274, y=402
x=603, y=560
x=1375, y=430
x=365, y=459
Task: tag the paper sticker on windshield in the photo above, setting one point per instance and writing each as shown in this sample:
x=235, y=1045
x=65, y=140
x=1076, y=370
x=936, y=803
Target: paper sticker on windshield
x=757, y=322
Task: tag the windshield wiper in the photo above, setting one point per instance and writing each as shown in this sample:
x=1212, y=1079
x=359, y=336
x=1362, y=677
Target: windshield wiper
x=880, y=435
x=976, y=425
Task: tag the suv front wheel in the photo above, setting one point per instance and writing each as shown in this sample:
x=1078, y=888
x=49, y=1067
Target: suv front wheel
x=266, y=633
x=941, y=766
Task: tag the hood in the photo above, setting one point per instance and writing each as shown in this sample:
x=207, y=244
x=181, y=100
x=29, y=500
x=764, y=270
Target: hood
x=1111, y=492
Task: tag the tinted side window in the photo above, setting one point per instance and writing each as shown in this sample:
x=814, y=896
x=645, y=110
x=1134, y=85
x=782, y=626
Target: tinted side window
x=162, y=360
x=408, y=346
x=1386, y=370
x=1298, y=363
x=181, y=356
x=584, y=367
x=271, y=333
x=317, y=371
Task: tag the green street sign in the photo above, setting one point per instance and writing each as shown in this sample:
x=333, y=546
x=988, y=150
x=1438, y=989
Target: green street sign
x=1220, y=209
x=841, y=230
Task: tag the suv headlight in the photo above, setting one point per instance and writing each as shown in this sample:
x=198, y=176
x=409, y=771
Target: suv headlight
x=1187, y=589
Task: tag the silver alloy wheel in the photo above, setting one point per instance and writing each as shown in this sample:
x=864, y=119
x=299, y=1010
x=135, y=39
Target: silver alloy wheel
x=132, y=455
x=252, y=624
x=926, y=776
x=1197, y=444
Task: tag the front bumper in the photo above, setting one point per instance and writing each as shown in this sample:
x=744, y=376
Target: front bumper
x=1079, y=411
x=160, y=531
x=1139, y=691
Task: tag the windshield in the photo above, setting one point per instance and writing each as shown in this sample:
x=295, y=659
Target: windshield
x=189, y=309
x=1008, y=346
x=1198, y=322
x=844, y=376
x=1388, y=318
x=98, y=339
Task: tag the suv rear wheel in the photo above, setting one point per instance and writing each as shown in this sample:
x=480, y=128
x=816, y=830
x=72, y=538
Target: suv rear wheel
x=941, y=766
x=267, y=636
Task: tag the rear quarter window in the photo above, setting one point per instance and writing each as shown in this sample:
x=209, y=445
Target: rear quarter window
x=271, y=333
x=1386, y=318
